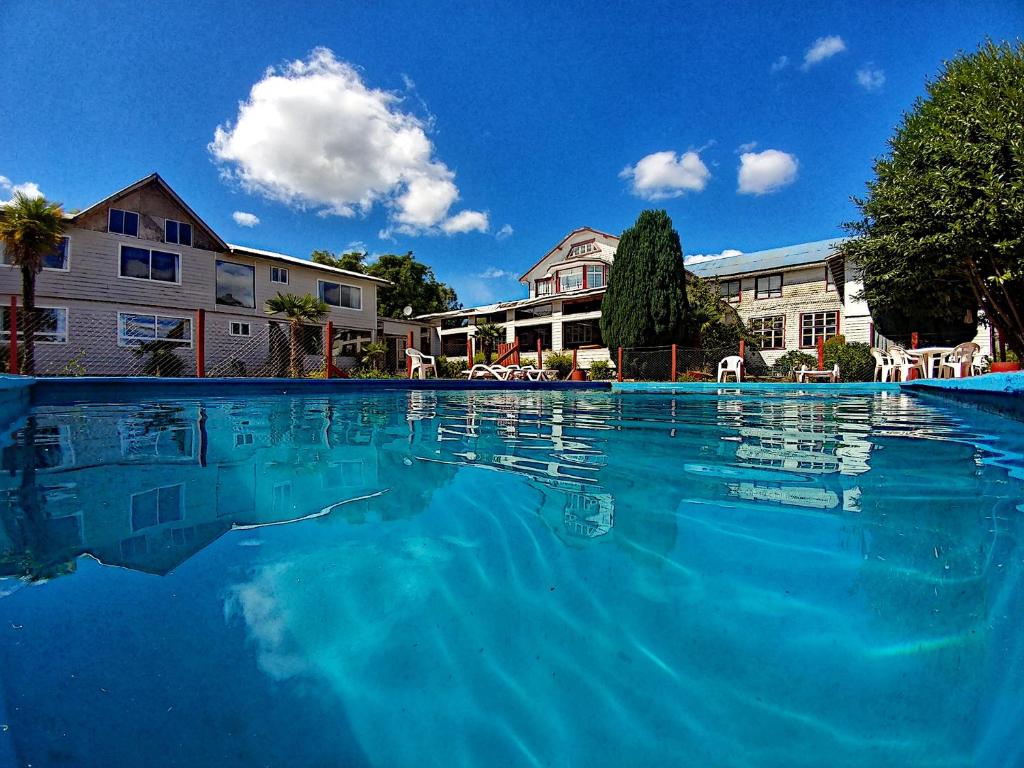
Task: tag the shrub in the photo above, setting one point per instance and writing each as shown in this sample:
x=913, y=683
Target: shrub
x=600, y=369
x=559, y=361
x=792, y=361
x=854, y=359
x=448, y=369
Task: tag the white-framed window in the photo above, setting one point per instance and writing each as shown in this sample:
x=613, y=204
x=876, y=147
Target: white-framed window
x=818, y=325
x=279, y=275
x=582, y=250
x=770, y=331
x=236, y=284
x=123, y=222
x=157, y=506
x=51, y=325
x=244, y=438
x=177, y=232
x=147, y=264
x=570, y=279
x=768, y=287
x=134, y=329
x=544, y=287
x=58, y=261
x=340, y=295
x=595, y=276
x=238, y=328
x=729, y=290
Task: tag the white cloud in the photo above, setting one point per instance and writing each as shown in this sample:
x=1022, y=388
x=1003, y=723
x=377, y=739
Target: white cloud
x=27, y=188
x=750, y=146
x=244, y=219
x=823, y=48
x=780, y=64
x=870, y=77
x=466, y=221
x=505, y=232
x=356, y=246
x=697, y=258
x=662, y=175
x=312, y=133
x=767, y=171
x=493, y=273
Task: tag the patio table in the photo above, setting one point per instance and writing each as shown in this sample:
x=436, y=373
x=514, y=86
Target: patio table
x=929, y=357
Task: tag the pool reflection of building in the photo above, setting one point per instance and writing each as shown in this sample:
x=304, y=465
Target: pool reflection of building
x=148, y=491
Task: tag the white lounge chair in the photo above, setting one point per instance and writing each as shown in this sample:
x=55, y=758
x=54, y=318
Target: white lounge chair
x=420, y=363
x=883, y=365
x=804, y=374
x=481, y=371
x=731, y=365
x=957, y=364
x=904, y=364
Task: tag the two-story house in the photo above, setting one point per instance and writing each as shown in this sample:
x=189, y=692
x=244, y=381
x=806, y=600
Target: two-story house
x=562, y=310
x=138, y=265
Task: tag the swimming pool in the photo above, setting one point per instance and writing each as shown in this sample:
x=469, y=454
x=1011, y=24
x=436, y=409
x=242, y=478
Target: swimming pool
x=485, y=578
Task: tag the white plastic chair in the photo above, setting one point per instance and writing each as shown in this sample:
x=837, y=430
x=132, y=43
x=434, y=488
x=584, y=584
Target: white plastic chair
x=904, y=365
x=979, y=364
x=420, y=363
x=733, y=364
x=481, y=371
x=957, y=364
x=805, y=374
x=883, y=365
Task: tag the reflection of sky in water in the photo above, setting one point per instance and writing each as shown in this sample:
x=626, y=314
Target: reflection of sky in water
x=412, y=578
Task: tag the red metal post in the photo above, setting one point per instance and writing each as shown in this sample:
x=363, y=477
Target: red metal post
x=469, y=351
x=743, y=349
x=821, y=353
x=913, y=340
x=328, y=349
x=200, y=343
x=408, y=360
x=13, y=363
x=675, y=353
x=540, y=355
x=618, y=368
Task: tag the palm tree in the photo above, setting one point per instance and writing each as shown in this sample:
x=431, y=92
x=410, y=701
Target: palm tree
x=298, y=310
x=31, y=228
x=488, y=333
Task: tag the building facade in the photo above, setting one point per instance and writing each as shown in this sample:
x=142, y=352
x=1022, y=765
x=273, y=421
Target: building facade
x=138, y=265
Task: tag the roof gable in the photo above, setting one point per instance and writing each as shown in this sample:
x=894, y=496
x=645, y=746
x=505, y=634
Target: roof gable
x=581, y=234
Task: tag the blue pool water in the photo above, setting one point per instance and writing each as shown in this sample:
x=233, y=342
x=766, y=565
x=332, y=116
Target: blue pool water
x=513, y=579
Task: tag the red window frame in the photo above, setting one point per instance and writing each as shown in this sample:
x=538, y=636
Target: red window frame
x=814, y=338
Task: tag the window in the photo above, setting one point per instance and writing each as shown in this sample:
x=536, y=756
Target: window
x=529, y=313
x=579, y=307
x=243, y=438
x=570, y=279
x=543, y=287
x=818, y=325
x=582, y=249
x=158, y=506
x=58, y=260
x=581, y=333
x=51, y=325
x=768, y=287
x=239, y=329
x=177, y=232
x=769, y=331
x=595, y=276
x=730, y=291
x=236, y=284
x=338, y=295
x=133, y=329
x=123, y=222
x=279, y=275
x=829, y=285
x=144, y=264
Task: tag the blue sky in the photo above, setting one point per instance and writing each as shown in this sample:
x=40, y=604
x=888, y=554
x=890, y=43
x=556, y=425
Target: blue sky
x=475, y=135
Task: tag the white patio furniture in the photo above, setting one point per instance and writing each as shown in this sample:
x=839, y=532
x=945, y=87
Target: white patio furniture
x=731, y=365
x=904, y=364
x=420, y=363
x=957, y=364
x=804, y=374
x=481, y=371
x=883, y=365
x=979, y=364
x=929, y=358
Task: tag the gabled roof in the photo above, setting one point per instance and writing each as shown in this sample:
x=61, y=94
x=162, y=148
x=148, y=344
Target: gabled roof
x=771, y=260
x=515, y=304
x=562, y=242
x=154, y=178
x=259, y=252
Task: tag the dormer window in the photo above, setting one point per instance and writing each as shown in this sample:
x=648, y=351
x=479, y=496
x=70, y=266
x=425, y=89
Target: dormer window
x=177, y=232
x=582, y=250
x=544, y=287
x=123, y=222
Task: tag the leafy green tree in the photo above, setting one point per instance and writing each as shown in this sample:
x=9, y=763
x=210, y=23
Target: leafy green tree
x=353, y=261
x=942, y=227
x=645, y=303
x=711, y=322
x=31, y=229
x=299, y=310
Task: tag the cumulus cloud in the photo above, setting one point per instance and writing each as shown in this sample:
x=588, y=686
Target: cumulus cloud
x=697, y=258
x=493, y=273
x=662, y=175
x=767, y=171
x=244, y=219
x=821, y=49
x=870, y=77
x=505, y=232
x=780, y=64
x=466, y=221
x=9, y=189
x=313, y=134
